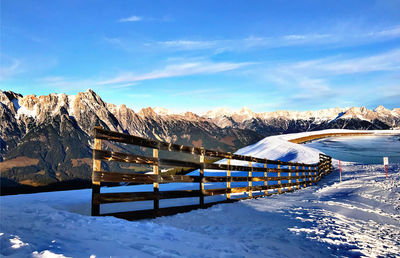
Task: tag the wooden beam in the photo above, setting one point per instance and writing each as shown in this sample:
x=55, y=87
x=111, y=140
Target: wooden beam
x=228, y=182
x=201, y=185
x=250, y=180
x=265, y=175
x=156, y=202
x=96, y=184
x=100, y=133
x=279, y=181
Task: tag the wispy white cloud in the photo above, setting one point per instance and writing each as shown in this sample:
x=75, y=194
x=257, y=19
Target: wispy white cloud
x=132, y=18
x=9, y=67
x=189, y=44
x=129, y=79
x=388, y=61
x=195, y=92
x=139, y=95
x=311, y=39
x=242, y=44
x=390, y=32
x=312, y=82
x=177, y=70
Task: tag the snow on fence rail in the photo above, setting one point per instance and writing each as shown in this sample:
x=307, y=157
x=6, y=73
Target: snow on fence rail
x=260, y=177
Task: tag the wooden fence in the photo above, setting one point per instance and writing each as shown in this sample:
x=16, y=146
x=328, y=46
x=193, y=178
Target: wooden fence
x=243, y=177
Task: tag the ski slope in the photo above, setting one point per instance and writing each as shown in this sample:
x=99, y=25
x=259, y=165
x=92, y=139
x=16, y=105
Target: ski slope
x=356, y=217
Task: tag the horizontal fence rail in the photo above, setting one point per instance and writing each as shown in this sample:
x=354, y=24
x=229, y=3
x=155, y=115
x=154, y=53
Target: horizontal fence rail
x=244, y=176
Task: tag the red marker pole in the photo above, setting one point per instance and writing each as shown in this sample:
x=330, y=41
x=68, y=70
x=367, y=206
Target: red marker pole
x=386, y=163
x=386, y=170
x=340, y=171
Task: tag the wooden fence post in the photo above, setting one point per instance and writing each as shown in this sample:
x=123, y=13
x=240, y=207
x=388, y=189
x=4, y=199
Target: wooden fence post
x=265, y=175
x=250, y=180
x=279, y=181
x=315, y=175
x=297, y=179
x=202, y=177
x=228, y=183
x=156, y=185
x=290, y=177
x=96, y=184
x=304, y=174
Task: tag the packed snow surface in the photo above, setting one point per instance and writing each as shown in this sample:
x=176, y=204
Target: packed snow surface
x=359, y=216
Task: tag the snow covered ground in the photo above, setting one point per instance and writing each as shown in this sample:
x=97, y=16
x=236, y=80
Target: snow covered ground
x=359, y=216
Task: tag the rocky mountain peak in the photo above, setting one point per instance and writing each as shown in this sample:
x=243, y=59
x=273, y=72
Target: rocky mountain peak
x=56, y=129
x=191, y=116
x=147, y=112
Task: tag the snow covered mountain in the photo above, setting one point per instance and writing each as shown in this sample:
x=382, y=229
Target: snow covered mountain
x=47, y=139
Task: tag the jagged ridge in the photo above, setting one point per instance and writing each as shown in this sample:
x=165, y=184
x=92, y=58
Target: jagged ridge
x=47, y=139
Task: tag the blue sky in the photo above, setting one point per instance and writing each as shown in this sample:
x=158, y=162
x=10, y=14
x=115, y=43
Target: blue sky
x=199, y=55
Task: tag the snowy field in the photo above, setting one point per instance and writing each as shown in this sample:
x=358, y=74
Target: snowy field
x=359, y=216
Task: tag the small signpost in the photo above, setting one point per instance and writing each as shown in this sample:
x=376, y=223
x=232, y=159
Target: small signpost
x=386, y=163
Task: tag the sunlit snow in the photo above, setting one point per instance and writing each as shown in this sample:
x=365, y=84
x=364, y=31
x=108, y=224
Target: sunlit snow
x=356, y=217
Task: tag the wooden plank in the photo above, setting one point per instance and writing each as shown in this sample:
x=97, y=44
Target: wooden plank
x=99, y=154
x=250, y=182
x=137, y=159
x=201, y=185
x=156, y=202
x=265, y=175
x=290, y=175
x=95, y=210
x=229, y=179
x=279, y=181
x=116, y=177
x=221, y=179
x=155, y=144
x=179, y=163
x=105, y=176
x=225, y=167
x=179, y=179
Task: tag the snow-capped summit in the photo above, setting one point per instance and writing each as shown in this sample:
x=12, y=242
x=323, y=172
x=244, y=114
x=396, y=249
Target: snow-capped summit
x=218, y=112
x=162, y=111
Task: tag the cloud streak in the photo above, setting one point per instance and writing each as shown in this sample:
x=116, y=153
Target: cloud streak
x=312, y=82
x=388, y=61
x=333, y=38
x=129, y=79
x=13, y=67
x=133, y=18
x=177, y=70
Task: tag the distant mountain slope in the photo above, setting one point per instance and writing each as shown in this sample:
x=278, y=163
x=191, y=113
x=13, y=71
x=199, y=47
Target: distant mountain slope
x=47, y=139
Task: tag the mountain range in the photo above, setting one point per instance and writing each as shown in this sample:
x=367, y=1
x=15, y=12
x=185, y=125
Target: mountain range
x=47, y=139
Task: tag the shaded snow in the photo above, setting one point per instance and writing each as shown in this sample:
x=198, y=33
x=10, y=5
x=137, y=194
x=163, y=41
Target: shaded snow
x=356, y=217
